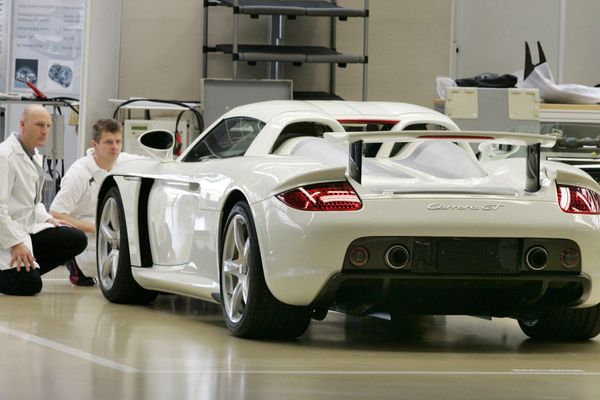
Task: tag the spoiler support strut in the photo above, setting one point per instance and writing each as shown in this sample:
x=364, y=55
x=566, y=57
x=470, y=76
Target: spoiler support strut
x=355, y=160
x=532, y=177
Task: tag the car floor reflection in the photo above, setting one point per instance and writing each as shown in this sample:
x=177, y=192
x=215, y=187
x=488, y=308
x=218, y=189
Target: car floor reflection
x=70, y=343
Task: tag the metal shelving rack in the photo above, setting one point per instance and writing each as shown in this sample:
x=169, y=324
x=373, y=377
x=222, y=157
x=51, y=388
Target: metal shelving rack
x=275, y=52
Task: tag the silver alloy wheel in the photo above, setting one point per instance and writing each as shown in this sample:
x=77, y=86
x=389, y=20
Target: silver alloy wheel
x=234, y=278
x=109, y=243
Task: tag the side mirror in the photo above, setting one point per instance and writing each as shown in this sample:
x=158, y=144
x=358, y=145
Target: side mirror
x=158, y=143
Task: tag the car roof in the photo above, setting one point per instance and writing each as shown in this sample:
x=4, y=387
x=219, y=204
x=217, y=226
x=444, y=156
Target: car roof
x=267, y=110
x=277, y=114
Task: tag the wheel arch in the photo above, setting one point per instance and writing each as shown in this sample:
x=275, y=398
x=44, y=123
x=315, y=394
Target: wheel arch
x=234, y=197
x=108, y=183
x=143, y=242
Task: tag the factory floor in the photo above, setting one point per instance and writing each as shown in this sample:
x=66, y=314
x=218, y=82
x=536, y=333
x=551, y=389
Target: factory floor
x=70, y=343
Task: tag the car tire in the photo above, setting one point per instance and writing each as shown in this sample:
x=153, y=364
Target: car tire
x=112, y=254
x=564, y=324
x=249, y=308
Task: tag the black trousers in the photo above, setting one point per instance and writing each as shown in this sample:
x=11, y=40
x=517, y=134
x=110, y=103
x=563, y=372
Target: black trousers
x=51, y=247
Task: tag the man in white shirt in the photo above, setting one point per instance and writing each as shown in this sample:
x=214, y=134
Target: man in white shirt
x=77, y=198
x=32, y=242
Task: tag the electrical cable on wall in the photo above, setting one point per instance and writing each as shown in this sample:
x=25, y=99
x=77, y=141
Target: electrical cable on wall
x=68, y=101
x=52, y=163
x=197, y=114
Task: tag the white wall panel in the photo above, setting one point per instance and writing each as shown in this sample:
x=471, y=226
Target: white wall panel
x=100, y=65
x=409, y=42
x=490, y=34
x=582, y=55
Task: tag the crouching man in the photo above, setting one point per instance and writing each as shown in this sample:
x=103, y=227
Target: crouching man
x=32, y=242
x=77, y=198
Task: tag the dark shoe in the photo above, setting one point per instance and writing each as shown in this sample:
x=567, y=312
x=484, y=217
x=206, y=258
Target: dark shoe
x=82, y=280
x=76, y=275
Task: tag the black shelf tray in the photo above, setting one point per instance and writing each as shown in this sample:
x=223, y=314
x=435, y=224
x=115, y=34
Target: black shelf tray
x=293, y=54
x=314, y=8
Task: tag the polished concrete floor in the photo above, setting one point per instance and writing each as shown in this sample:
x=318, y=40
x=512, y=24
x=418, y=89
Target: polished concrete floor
x=70, y=343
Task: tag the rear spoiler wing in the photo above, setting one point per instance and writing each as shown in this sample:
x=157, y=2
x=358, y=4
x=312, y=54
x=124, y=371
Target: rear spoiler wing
x=533, y=142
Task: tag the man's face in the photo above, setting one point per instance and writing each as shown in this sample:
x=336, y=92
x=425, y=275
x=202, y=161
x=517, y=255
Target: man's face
x=35, y=128
x=109, y=146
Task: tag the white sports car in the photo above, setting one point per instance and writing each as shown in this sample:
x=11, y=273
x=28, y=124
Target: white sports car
x=283, y=210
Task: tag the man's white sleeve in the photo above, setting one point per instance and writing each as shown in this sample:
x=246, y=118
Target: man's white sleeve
x=41, y=214
x=11, y=232
x=72, y=190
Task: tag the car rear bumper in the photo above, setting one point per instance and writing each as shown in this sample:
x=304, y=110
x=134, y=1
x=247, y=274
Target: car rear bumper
x=302, y=251
x=521, y=295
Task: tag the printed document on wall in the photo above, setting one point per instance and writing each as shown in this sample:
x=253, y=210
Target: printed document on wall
x=47, y=39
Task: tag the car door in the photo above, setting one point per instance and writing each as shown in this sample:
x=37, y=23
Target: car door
x=172, y=212
x=182, y=209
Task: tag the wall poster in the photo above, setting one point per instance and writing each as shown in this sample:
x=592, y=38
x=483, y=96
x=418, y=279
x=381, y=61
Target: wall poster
x=47, y=39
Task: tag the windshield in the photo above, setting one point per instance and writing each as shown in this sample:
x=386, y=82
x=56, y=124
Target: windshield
x=230, y=138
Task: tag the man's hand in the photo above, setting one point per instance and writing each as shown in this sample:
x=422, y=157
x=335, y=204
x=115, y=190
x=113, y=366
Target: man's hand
x=21, y=256
x=60, y=222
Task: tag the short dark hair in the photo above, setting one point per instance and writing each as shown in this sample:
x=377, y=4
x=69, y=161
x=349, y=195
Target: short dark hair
x=106, y=125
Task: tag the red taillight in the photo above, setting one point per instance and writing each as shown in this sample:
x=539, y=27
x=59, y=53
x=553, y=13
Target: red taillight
x=331, y=196
x=578, y=200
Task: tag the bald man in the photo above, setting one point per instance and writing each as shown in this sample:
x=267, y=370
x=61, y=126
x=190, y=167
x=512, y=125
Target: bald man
x=32, y=242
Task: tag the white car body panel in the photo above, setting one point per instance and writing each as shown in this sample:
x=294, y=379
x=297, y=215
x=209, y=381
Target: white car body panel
x=328, y=236
x=302, y=250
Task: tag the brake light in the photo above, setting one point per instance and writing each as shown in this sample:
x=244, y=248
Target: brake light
x=578, y=200
x=330, y=196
